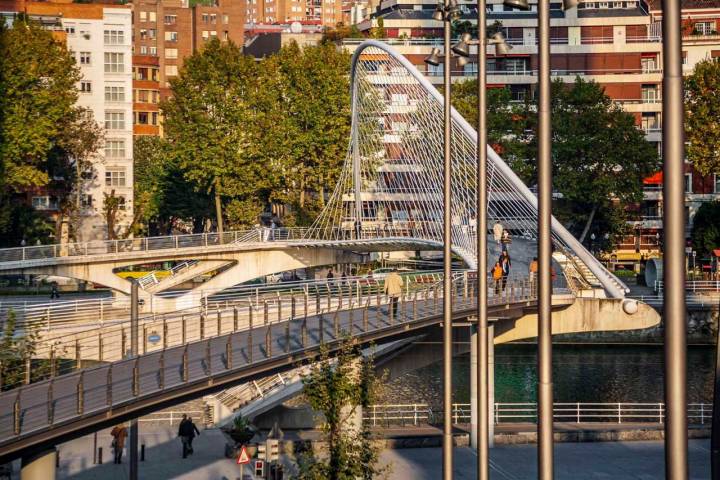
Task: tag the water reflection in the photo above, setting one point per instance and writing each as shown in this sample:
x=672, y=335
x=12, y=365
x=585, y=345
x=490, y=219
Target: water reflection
x=582, y=373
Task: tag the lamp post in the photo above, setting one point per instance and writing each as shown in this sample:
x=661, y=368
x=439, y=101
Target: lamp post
x=446, y=13
x=544, y=162
x=462, y=49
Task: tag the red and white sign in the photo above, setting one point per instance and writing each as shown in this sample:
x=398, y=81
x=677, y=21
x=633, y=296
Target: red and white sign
x=243, y=458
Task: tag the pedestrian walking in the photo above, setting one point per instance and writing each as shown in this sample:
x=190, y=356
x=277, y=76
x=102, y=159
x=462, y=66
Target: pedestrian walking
x=505, y=240
x=393, y=289
x=498, y=230
x=23, y=242
x=188, y=431
x=119, y=434
x=505, y=263
x=532, y=270
x=54, y=291
x=497, y=277
x=330, y=275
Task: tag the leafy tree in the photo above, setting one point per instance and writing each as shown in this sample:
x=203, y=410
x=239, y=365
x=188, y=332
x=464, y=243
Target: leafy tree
x=16, y=350
x=379, y=31
x=340, y=32
x=211, y=124
x=336, y=388
x=706, y=228
x=507, y=122
x=702, y=110
x=45, y=139
x=600, y=157
x=308, y=126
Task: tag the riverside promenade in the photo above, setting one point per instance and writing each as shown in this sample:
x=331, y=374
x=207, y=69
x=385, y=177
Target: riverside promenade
x=618, y=460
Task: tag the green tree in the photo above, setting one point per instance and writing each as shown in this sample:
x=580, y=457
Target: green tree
x=706, y=228
x=307, y=125
x=17, y=348
x=336, y=388
x=45, y=139
x=702, y=111
x=212, y=125
x=600, y=157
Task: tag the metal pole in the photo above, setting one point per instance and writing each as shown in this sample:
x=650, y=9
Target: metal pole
x=481, y=234
x=545, y=382
x=134, y=345
x=676, y=441
x=447, y=467
x=715, y=432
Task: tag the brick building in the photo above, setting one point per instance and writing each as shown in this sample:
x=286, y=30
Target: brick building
x=617, y=44
x=326, y=13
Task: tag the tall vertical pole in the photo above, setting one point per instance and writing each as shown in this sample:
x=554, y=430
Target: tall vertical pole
x=447, y=268
x=674, y=259
x=715, y=432
x=134, y=349
x=545, y=382
x=483, y=428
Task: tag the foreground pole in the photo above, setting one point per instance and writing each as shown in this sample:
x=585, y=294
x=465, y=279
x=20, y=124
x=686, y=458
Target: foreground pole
x=134, y=351
x=674, y=255
x=715, y=435
x=447, y=466
x=481, y=232
x=545, y=382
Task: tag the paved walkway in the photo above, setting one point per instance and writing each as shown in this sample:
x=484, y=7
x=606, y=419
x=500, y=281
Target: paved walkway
x=574, y=461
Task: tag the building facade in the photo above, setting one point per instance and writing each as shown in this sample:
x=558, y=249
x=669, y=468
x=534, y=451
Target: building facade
x=617, y=44
x=99, y=37
x=326, y=13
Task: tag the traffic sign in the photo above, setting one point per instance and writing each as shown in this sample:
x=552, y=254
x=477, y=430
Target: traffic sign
x=243, y=458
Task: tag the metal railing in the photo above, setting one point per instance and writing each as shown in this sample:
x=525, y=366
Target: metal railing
x=171, y=417
x=578, y=412
x=436, y=42
x=196, y=353
x=693, y=286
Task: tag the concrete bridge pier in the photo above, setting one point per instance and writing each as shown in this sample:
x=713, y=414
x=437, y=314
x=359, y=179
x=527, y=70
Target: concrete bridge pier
x=474, y=386
x=39, y=465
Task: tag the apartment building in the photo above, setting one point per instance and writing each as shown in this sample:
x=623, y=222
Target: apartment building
x=164, y=33
x=326, y=13
x=99, y=37
x=617, y=44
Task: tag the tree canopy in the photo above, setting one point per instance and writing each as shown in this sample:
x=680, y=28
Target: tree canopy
x=705, y=234
x=702, y=116
x=45, y=138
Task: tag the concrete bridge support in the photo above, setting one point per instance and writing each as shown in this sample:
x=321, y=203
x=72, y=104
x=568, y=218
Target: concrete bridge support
x=39, y=466
x=474, y=385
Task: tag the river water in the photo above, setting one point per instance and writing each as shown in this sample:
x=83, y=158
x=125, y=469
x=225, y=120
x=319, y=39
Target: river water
x=581, y=373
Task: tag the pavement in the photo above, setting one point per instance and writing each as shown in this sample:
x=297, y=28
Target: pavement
x=574, y=461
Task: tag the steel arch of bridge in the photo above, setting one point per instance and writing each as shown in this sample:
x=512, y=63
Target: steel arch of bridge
x=392, y=175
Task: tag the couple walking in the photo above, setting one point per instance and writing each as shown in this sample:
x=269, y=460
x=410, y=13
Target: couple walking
x=501, y=271
x=186, y=432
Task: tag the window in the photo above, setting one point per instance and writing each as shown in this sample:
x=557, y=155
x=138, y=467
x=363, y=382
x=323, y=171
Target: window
x=226, y=35
x=649, y=121
x=152, y=16
x=704, y=28
x=171, y=36
x=115, y=177
x=44, y=203
x=84, y=58
x=684, y=57
x=85, y=86
x=205, y=34
x=115, y=120
x=213, y=18
x=152, y=33
x=213, y=33
x=114, y=37
x=716, y=182
x=649, y=93
x=86, y=201
x=226, y=19
x=205, y=17
x=143, y=34
x=143, y=50
x=115, y=148
x=688, y=183
x=143, y=16
x=171, y=53
x=121, y=202
x=153, y=50
x=435, y=70
x=171, y=70
x=114, y=93
x=114, y=62
x=70, y=29
x=170, y=19
x=648, y=64
x=470, y=68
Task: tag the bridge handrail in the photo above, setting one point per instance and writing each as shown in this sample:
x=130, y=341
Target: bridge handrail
x=39, y=406
x=693, y=286
x=568, y=412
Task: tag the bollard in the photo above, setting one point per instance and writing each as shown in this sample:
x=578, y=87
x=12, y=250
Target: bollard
x=142, y=452
x=100, y=455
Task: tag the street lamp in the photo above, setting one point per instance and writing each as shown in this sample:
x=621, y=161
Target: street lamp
x=544, y=233
x=446, y=13
x=462, y=48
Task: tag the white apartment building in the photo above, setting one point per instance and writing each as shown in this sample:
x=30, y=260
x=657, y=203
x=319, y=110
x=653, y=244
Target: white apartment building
x=99, y=36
